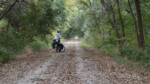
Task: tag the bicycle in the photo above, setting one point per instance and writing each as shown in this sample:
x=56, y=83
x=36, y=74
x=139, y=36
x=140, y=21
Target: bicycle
x=60, y=47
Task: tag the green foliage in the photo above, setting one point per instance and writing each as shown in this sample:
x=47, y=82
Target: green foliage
x=135, y=54
x=4, y=55
x=71, y=45
x=108, y=48
x=38, y=45
x=83, y=45
x=15, y=45
x=121, y=60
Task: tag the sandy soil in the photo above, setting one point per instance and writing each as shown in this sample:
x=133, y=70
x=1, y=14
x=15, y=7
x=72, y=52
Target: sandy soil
x=75, y=66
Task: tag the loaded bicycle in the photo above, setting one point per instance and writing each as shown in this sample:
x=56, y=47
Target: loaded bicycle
x=58, y=46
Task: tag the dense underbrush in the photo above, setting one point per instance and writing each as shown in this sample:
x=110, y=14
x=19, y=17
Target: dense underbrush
x=4, y=55
x=127, y=52
x=38, y=45
x=17, y=47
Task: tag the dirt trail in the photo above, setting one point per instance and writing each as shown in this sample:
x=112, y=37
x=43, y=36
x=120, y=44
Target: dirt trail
x=75, y=66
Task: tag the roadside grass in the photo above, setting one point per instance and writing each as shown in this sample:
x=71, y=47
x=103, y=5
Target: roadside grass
x=133, y=64
x=8, y=54
x=85, y=45
x=5, y=56
x=71, y=45
x=38, y=45
x=121, y=60
x=114, y=54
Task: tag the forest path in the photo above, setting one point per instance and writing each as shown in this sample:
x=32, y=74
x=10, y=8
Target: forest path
x=75, y=66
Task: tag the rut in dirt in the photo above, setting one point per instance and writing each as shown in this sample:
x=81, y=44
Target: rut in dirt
x=75, y=66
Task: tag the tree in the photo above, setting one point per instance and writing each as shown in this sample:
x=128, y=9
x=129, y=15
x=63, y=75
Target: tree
x=135, y=22
x=120, y=16
x=140, y=24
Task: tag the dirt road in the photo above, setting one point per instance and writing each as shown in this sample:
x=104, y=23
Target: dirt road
x=75, y=66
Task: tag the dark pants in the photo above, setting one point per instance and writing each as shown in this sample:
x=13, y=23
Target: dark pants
x=59, y=41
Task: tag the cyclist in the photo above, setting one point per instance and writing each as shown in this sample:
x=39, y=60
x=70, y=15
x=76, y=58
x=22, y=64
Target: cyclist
x=56, y=43
x=58, y=36
x=57, y=40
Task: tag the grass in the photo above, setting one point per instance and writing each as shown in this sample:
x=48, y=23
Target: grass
x=7, y=54
x=121, y=60
x=84, y=45
x=4, y=55
x=71, y=45
x=38, y=45
x=116, y=57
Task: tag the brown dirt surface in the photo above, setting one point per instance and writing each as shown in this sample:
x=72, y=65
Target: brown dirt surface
x=75, y=66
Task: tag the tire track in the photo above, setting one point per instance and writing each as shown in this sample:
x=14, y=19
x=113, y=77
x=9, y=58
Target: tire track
x=28, y=79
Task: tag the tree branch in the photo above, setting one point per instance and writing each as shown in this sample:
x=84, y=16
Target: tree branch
x=26, y=2
x=8, y=10
x=3, y=3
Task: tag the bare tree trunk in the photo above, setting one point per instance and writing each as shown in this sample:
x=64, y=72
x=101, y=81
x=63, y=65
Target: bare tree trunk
x=121, y=20
x=102, y=23
x=113, y=24
x=8, y=29
x=135, y=23
x=141, y=35
x=3, y=3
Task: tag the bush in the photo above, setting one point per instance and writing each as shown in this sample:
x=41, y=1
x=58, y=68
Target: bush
x=136, y=54
x=4, y=55
x=38, y=45
x=11, y=43
x=127, y=51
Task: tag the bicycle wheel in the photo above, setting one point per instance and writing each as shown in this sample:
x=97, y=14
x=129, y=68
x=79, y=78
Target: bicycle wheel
x=58, y=49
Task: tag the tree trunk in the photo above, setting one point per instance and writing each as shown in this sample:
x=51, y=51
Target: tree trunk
x=141, y=35
x=113, y=23
x=3, y=15
x=8, y=29
x=102, y=23
x=135, y=23
x=121, y=20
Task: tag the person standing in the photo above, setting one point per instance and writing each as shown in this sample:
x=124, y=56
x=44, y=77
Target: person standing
x=58, y=36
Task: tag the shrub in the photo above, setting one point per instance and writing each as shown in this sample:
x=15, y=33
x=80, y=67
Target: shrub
x=147, y=53
x=127, y=51
x=38, y=45
x=12, y=43
x=4, y=55
x=136, y=54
